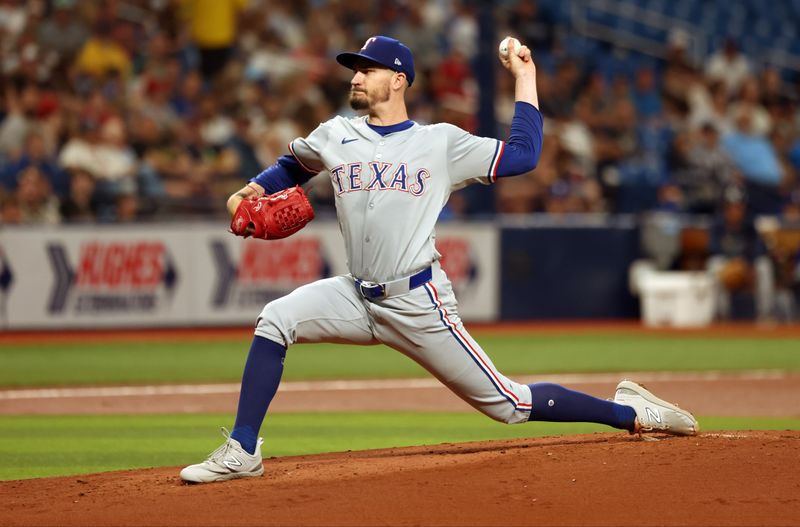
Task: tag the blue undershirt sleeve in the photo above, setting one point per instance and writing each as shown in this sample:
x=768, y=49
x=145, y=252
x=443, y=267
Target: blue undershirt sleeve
x=285, y=173
x=524, y=145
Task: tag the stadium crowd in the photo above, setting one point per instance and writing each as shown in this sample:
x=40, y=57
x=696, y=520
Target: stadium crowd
x=121, y=111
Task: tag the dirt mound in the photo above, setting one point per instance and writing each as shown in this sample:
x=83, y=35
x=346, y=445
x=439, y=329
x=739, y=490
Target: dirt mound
x=741, y=478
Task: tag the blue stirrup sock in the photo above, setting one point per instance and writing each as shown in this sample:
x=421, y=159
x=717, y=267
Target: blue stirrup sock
x=262, y=374
x=552, y=402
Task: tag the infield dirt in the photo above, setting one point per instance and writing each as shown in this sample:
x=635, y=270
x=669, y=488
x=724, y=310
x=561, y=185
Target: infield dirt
x=741, y=478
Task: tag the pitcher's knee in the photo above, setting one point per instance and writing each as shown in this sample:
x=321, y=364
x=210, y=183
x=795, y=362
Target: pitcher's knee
x=273, y=324
x=505, y=413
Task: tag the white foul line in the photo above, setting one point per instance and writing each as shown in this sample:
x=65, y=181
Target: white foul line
x=380, y=384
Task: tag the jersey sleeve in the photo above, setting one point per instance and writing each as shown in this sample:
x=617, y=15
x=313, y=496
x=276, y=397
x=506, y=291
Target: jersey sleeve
x=471, y=159
x=286, y=172
x=308, y=150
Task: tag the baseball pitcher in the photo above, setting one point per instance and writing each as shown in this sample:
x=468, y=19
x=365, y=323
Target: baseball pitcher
x=392, y=177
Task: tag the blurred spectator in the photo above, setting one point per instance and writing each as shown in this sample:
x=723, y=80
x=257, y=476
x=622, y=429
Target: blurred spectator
x=186, y=100
x=101, y=57
x=34, y=154
x=669, y=197
x=575, y=140
x=533, y=25
x=750, y=96
x=515, y=196
x=710, y=106
x=160, y=68
x=610, y=116
x=104, y=152
x=791, y=209
x=127, y=206
x=646, y=96
x=272, y=129
x=116, y=160
x=64, y=32
x=80, y=205
x=213, y=25
x=701, y=170
x=785, y=254
x=559, y=100
x=166, y=159
x=462, y=28
x=681, y=84
x=22, y=106
x=312, y=57
x=37, y=203
x=728, y=65
x=774, y=96
x=10, y=213
x=453, y=78
x=157, y=107
x=738, y=260
x=80, y=151
x=215, y=127
x=203, y=173
x=574, y=187
x=677, y=52
x=13, y=18
x=268, y=60
x=242, y=144
x=756, y=159
x=424, y=35
x=285, y=18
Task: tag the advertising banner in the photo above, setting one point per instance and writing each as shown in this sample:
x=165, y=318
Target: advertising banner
x=196, y=274
x=98, y=277
x=241, y=276
x=471, y=259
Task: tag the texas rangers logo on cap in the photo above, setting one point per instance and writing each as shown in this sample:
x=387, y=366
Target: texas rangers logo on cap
x=385, y=51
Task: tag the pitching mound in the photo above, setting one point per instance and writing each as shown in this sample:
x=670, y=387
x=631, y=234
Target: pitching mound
x=741, y=478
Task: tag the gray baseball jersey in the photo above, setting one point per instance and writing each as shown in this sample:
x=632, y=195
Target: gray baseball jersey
x=389, y=193
x=390, y=189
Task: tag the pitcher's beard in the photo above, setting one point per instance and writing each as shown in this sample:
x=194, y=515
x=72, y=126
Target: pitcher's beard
x=359, y=101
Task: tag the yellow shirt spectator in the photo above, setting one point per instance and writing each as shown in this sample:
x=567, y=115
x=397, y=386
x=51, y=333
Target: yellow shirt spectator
x=213, y=22
x=100, y=55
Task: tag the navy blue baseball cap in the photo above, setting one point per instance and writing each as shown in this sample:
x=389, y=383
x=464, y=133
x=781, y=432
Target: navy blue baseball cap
x=388, y=52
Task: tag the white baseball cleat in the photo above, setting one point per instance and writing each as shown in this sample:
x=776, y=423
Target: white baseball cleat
x=230, y=461
x=654, y=414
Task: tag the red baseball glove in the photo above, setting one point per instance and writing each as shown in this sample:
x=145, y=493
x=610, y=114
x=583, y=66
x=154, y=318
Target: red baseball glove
x=273, y=217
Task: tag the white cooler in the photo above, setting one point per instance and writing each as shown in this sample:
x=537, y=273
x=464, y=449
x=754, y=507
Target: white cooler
x=677, y=299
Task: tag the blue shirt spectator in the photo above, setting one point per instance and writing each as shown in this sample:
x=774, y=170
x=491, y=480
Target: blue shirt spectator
x=646, y=95
x=33, y=154
x=752, y=154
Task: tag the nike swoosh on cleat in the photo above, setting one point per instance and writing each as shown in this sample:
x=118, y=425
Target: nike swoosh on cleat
x=345, y=140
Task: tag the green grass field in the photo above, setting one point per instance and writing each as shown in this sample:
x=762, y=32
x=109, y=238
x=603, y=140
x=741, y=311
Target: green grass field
x=168, y=362
x=60, y=445
x=50, y=446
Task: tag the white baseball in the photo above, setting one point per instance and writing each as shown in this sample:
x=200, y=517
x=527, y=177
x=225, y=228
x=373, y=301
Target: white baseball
x=506, y=43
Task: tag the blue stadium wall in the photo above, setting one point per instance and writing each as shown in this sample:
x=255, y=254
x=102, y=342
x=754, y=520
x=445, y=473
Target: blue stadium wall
x=567, y=272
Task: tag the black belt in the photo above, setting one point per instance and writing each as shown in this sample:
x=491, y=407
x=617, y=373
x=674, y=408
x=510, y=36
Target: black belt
x=374, y=291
